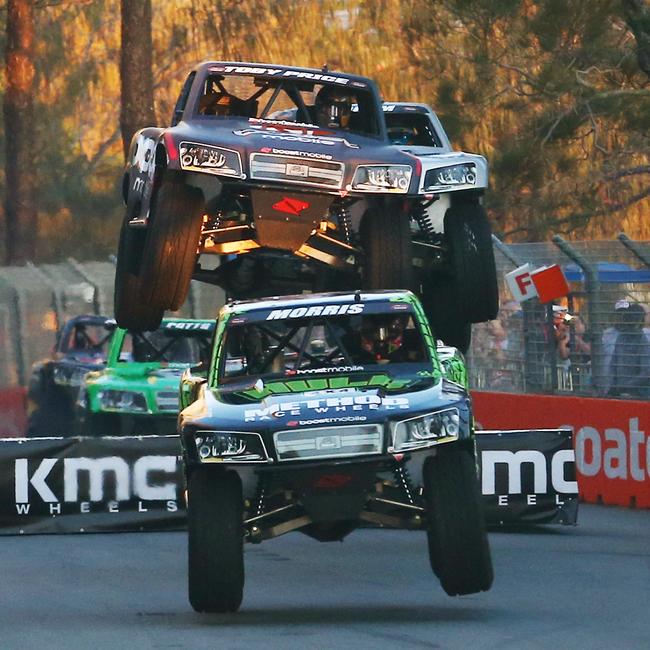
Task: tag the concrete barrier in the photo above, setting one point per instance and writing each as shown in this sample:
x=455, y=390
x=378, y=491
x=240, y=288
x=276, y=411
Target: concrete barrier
x=611, y=438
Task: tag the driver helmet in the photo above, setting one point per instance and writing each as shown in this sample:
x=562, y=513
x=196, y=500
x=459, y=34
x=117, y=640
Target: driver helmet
x=333, y=107
x=80, y=339
x=382, y=337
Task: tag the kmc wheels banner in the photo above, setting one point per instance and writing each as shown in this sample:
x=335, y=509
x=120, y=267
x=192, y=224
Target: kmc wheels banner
x=65, y=485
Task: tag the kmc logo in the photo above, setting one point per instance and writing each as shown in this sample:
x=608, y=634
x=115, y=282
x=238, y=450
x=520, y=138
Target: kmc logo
x=126, y=482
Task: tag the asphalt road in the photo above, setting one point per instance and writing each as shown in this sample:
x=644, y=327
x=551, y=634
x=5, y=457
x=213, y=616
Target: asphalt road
x=555, y=587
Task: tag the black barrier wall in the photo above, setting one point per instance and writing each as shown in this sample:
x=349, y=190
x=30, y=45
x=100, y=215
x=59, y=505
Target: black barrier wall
x=66, y=485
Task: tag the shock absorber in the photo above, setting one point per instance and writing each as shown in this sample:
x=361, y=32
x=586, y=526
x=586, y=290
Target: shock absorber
x=403, y=479
x=344, y=219
x=260, y=498
x=419, y=213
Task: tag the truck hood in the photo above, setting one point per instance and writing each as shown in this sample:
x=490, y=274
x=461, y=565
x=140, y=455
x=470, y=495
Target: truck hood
x=303, y=142
x=274, y=412
x=137, y=376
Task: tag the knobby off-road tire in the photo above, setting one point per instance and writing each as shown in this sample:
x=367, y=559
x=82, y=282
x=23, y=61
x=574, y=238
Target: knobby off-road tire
x=386, y=240
x=131, y=310
x=440, y=304
x=215, y=540
x=459, y=551
x=469, y=240
x=173, y=235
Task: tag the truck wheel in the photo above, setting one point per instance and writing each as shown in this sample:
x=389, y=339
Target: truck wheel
x=386, y=241
x=440, y=305
x=131, y=311
x=173, y=236
x=459, y=551
x=469, y=240
x=215, y=540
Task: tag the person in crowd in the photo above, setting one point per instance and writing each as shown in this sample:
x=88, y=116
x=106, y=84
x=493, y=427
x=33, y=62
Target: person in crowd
x=626, y=353
x=579, y=352
x=646, y=321
x=561, y=335
x=572, y=347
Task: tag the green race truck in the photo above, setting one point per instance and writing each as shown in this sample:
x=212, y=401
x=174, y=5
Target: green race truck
x=137, y=392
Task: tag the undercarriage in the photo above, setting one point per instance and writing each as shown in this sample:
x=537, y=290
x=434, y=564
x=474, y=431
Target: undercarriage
x=330, y=503
x=269, y=244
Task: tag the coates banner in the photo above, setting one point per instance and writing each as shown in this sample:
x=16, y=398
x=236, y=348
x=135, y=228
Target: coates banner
x=528, y=476
x=611, y=439
x=66, y=485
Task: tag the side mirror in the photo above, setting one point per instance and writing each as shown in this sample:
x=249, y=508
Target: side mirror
x=190, y=388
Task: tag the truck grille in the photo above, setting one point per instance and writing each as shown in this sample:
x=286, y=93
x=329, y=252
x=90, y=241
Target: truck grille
x=328, y=442
x=302, y=171
x=167, y=400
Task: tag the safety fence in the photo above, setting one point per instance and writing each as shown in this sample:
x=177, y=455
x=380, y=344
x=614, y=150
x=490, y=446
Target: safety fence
x=35, y=301
x=594, y=342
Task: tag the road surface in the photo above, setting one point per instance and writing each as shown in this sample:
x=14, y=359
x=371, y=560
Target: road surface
x=555, y=587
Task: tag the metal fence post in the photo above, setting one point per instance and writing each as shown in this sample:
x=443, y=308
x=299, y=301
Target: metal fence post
x=634, y=249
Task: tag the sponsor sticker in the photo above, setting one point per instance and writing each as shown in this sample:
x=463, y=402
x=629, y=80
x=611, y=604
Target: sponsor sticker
x=315, y=310
x=282, y=72
x=328, y=369
x=190, y=326
x=296, y=154
x=347, y=419
x=300, y=134
x=326, y=405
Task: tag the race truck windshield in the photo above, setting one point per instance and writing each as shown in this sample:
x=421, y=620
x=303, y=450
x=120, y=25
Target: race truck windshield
x=165, y=346
x=276, y=346
x=329, y=106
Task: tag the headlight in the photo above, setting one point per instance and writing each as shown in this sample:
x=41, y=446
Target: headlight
x=382, y=178
x=450, y=178
x=122, y=400
x=64, y=376
x=209, y=160
x=229, y=447
x=426, y=430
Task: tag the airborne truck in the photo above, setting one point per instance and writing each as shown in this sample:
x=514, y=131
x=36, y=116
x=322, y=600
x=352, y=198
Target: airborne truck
x=372, y=196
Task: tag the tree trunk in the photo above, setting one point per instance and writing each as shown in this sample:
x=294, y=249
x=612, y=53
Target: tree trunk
x=20, y=206
x=637, y=15
x=136, y=74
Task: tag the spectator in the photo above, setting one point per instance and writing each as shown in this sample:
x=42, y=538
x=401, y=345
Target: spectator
x=561, y=334
x=626, y=350
x=646, y=321
x=579, y=351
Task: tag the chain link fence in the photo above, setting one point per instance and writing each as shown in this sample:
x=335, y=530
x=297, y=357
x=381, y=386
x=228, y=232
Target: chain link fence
x=596, y=342
x=35, y=301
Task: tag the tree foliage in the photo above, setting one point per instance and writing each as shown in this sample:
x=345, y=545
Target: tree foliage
x=555, y=93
